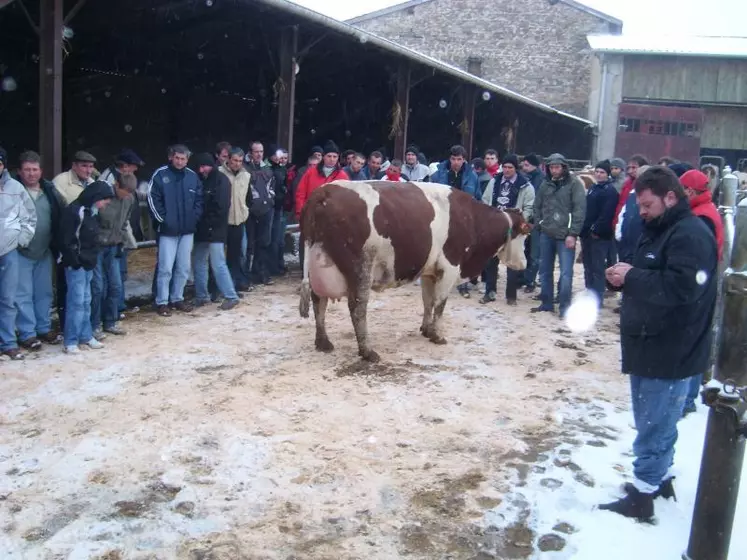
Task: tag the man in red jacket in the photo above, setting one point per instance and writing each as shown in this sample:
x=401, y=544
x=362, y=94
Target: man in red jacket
x=324, y=172
x=701, y=204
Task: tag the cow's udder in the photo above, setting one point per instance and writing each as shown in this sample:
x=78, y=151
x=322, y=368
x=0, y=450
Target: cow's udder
x=326, y=279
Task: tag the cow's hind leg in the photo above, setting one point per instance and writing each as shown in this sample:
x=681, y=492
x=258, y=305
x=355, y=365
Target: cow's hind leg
x=358, y=305
x=427, y=289
x=320, y=312
x=440, y=294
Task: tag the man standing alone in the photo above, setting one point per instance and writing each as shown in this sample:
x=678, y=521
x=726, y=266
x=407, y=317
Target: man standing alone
x=669, y=294
x=175, y=199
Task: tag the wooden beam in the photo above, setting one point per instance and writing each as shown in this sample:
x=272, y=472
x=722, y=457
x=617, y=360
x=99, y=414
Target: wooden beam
x=73, y=11
x=50, y=84
x=469, y=99
x=286, y=87
x=402, y=105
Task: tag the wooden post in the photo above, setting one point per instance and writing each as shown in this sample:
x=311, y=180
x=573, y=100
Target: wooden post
x=50, y=84
x=469, y=99
x=402, y=101
x=287, y=88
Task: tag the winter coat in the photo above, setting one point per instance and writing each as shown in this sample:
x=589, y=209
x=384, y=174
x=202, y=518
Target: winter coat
x=627, y=188
x=417, y=172
x=262, y=189
x=669, y=298
x=560, y=206
x=55, y=204
x=175, y=200
x=704, y=208
x=216, y=201
x=114, y=221
x=468, y=180
x=628, y=229
x=239, y=182
x=360, y=176
x=312, y=180
x=536, y=178
x=69, y=185
x=281, y=189
x=601, y=201
x=524, y=198
x=17, y=215
x=79, y=228
x=482, y=183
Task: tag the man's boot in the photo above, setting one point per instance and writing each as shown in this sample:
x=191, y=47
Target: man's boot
x=665, y=490
x=635, y=505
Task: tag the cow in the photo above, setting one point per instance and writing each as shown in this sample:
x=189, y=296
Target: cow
x=373, y=235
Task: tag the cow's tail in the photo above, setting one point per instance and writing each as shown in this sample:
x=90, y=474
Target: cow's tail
x=303, y=304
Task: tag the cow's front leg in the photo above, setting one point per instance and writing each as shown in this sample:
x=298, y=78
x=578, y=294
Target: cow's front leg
x=358, y=305
x=440, y=294
x=427, y=289
x=320, y=312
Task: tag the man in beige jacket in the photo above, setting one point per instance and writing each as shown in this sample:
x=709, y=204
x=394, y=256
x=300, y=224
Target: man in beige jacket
x=238, y=214
x=71, y=183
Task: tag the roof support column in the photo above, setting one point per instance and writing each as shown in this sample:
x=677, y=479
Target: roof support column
x=50, y=84
x=286, y=87
x=469, y=98
x=401, y=113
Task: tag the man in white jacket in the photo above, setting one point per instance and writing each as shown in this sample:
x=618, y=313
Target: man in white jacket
x=17, y=227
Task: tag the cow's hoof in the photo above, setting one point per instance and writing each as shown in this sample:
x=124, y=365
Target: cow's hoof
x=426, y=332
x=324, y=345
x=370, y=356
x=435, y=339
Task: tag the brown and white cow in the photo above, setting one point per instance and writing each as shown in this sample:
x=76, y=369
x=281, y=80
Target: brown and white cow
x=363, y=236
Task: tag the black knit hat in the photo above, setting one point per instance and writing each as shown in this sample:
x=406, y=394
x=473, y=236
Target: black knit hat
x=316, y=150
x=412, y=149
x=532, y=159
x=331, y=148
x=605, y=165
x=680, y=168
x=199, y=160
x=510, y=159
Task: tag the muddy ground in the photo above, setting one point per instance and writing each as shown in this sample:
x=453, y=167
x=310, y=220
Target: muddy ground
x=226, y=436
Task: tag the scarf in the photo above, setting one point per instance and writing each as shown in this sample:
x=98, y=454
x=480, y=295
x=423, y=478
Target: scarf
x=493, y=169
x=392, y=175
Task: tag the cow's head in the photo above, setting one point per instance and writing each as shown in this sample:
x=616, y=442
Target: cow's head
x=511, y=253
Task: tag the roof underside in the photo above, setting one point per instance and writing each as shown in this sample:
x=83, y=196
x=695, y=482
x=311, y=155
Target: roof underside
x=723, y=47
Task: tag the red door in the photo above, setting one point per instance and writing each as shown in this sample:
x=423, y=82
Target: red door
x=656, y=131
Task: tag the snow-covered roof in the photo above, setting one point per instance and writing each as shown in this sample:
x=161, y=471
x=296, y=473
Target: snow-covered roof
x=728, y=47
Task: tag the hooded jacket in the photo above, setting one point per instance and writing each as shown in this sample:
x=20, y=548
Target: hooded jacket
x=667, y=305
x=601, y=201
x=702, y=205
x=17, y=215
x=524, y=194
x=560, y=206
x=216, y=200
x=79, y=227
x=175, y=200
x=466, y=176
x=312, y=180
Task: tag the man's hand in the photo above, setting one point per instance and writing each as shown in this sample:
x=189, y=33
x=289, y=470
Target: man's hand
x=616, y=274
x=570, y=242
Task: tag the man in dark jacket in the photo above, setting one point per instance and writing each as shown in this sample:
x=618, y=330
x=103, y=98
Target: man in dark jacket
x=114, y=234
x=175, y=200
x=597, y=234
x=354, y=171
x=530, y=166
x=279, y=165
x=259, y=224
x=211, y=234
x=36, y=261
x=79, y=239
x=669, y=295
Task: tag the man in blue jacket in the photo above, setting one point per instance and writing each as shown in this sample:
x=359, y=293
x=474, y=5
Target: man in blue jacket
x=175, y=200
x=596, y=233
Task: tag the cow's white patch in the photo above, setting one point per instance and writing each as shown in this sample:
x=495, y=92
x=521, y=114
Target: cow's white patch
x=511, y=253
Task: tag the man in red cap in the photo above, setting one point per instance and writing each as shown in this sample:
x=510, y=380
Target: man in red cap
x=696, y=188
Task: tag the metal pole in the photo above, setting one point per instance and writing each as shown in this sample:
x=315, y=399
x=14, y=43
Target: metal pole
x=723, y=452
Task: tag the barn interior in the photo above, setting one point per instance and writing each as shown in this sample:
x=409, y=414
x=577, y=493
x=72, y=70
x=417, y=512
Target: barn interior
x=145, y=74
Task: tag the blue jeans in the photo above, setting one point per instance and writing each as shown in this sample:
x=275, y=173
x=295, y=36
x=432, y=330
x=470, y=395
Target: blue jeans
x=277, y=238
x=123, y=276
x=594, y=254
x=215, y=253
x=34, y=296
x=8, y=289
x=533, y=262
x=78, y=328
x=696, y=383
x=106, y=289
x=657, y=407
x=549, y=249
x=174, y=258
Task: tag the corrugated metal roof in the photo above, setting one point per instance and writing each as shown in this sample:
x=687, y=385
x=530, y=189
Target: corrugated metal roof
x=729, y=47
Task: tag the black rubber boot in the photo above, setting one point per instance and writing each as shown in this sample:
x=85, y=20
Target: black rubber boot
x=665, y=490
x=635, y=505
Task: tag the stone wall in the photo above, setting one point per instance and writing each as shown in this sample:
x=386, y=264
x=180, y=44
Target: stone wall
x=528, y=46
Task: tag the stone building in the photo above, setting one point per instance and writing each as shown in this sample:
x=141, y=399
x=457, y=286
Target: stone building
x=535, y=47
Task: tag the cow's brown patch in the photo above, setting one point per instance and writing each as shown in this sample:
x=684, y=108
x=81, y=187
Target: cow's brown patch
x=337, y=218
x=404, y=216
x=476, y=231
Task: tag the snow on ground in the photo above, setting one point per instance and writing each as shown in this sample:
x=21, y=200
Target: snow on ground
x=226, y=436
